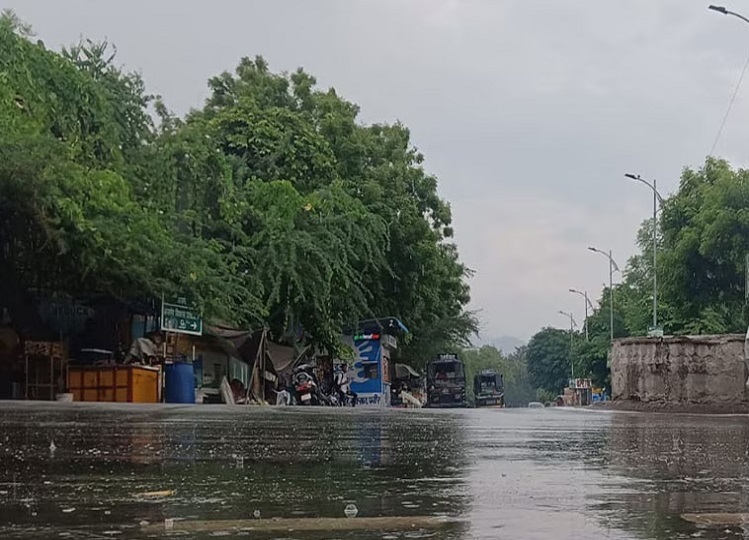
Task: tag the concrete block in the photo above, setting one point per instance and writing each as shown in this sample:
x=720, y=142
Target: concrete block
x=680, y=369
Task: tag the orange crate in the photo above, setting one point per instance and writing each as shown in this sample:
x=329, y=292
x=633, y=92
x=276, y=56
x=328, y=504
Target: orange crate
x=117, y=384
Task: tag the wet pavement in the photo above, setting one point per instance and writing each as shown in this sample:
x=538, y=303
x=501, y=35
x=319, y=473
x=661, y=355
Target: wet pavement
x=105, y=471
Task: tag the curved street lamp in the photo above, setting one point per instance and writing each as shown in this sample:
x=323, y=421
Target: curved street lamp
x=656, y=199
x=588, y=304
x=724, y=11
x=612, y=267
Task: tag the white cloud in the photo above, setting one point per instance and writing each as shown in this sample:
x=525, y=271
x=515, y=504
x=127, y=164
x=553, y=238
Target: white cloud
x=528, y=251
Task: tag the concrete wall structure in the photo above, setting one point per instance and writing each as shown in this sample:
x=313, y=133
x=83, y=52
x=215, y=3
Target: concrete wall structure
x=708, y=370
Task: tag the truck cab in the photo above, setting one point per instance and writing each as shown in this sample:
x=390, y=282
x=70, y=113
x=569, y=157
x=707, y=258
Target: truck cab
x=489, y=389
x=446, y=382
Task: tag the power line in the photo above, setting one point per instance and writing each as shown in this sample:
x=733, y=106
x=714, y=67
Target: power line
x=730, y=106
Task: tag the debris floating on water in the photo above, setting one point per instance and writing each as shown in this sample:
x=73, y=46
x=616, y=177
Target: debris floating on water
x=351, y=511
x=157, y=494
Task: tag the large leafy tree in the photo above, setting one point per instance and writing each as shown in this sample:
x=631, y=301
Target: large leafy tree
x=398, y=258
x=549, y=358
x=74, y=137
x=270, y=205
x=705, y=229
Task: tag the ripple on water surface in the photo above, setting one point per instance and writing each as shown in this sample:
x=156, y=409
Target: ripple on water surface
x=105, y=471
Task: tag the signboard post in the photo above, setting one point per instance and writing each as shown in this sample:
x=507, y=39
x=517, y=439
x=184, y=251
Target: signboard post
x=180, y=318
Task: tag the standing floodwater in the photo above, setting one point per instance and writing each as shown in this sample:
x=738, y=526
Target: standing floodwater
x=97, y=471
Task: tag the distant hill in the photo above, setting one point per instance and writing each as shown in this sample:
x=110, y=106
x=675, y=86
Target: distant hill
x=506, y=344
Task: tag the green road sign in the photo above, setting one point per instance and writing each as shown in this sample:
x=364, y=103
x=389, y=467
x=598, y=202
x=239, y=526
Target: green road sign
x=180, y=318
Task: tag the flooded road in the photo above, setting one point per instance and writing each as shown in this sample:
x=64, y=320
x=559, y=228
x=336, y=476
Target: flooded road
x=106, y=471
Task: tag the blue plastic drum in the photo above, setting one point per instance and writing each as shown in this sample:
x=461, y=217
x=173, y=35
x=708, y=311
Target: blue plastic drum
x=179, y=383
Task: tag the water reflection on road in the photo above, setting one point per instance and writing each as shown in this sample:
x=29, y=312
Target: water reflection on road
x=83, y=471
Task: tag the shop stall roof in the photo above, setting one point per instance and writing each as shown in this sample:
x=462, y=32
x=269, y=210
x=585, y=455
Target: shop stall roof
x=252, y=348
x=285, y=358
x=404, y=371
x=242, y=343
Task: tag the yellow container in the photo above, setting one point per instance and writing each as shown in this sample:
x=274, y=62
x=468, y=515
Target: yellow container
x=118, y=384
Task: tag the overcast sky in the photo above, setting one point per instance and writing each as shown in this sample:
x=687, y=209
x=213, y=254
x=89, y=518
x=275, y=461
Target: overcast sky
x=528, y=111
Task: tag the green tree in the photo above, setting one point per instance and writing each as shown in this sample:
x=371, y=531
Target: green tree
x=549, y=360
x=280, y=128
x=71, y=220
x=271, y=205
x=705, y=228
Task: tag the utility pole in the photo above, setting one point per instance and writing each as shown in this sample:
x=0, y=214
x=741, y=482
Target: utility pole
x=612, y=266
x=588, y=303
x=655, y=258
x=573, y=324
x=656, y=198
x=611, y=295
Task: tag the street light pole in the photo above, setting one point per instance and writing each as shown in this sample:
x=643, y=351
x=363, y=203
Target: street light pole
x=588, y=303
x=656, y=198
x=572, y=339
x=724, y=11
x=612, y=266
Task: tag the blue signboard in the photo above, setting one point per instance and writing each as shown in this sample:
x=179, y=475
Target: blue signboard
x=366, y=373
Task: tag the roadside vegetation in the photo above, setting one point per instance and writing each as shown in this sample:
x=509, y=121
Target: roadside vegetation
x=272, y=204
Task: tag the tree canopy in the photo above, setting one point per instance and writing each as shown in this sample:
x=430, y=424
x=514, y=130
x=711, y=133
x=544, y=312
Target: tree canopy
x=271, y=205
x=550, y=359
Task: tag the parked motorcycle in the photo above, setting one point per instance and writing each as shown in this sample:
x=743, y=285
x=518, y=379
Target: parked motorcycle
x=308, y=390
x=306, y=387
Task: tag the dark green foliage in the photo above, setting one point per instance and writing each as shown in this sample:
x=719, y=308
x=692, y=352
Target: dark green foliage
x=271, y=205
x=549, y=361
